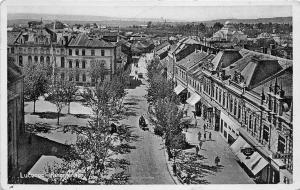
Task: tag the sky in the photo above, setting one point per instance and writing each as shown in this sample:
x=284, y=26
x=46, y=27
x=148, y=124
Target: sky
x=192, y=10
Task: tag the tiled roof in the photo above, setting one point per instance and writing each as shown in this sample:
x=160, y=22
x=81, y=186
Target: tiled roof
x=162, y=45
x=191, y=59
x=12, y=37
x=82, y=40
x=284, y=80
x=225, y=58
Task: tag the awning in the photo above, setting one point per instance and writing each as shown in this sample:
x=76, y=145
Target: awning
x=178, y=89
x=255, y=163
x=236, y=146
x=193, y=99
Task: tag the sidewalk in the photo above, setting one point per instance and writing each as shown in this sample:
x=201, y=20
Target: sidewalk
x=229, y=171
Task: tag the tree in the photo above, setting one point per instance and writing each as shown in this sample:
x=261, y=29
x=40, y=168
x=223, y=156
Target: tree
x=217, y=26
x=98, y=71
x=58, y=96
x=36, y=82
x=70, y=91
x=167, y=119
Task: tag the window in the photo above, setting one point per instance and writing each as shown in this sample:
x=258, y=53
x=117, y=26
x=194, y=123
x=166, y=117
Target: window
x=83, y=78
x=12, y=50
x=83, y=64
x=35, y=50
x=92, y=52
x=48, y=60
x=77, y=52
x=42, y=59
x=235, y=107
x=77, y=77
x=62, y=51
x=70, y=64
x=266, y=133
x=239, y=112
x=20, y=60
x=70, y=51
x=254, y=126
x=221, y=125
x=281, y=144
x=62, y=76
x=83, y=52
x=231, y=104
x=70, y=77
x=250, y=122
x=275, y=107
x=36, y=59
x=102, y=52
x=62, y=62
x=29, y=59
x=220, y=94
x=223, y=99
x=77, y=64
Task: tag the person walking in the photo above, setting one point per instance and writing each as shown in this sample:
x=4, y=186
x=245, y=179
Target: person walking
x=209, y=136
x=199, y=136
x=197, y=150
x=200, y=144
x=217, y=160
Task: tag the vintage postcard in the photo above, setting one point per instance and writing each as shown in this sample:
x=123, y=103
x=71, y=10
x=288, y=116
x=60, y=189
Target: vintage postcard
x=184, y=94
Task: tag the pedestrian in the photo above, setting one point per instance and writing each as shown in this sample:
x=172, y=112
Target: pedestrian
x=217, y=160
x=204, y=135
x=174, y=169
x=186, y=127
x=200, y=144
x=209, y=135
x=197, y=150
x=199, y=136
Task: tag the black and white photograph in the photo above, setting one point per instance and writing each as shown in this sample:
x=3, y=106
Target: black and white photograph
x=148, y=93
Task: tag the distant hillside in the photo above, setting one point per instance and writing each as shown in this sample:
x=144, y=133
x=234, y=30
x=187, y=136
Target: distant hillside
x=23, y=18
x=280, y=20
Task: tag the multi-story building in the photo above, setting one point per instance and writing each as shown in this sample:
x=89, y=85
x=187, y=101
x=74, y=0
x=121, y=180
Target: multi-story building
x=72, y=55
x=247, y=97
x=15, y=114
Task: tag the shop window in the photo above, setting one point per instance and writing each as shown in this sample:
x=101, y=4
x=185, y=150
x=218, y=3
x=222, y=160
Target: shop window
x=48, y=60
x=266, y=133
x=20, y=61
x=29, y=59
x=42, y=59
x=281, y=144
x=36, y=59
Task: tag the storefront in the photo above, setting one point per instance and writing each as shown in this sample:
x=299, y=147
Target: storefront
x=228, y=128
x=255, y=164
x=181, y=92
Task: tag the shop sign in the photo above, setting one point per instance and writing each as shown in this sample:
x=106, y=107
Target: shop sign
x=247, y=152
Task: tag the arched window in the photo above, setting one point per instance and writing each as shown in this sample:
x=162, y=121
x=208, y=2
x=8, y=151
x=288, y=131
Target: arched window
x=42, y=59
x=77, y=64
x=29, y=59
x=36, y=59
x=62, y=76
x=20, y=60
x=48, y=60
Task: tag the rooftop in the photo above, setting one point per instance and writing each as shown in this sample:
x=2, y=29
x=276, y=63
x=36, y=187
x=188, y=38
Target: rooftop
x=82, y=40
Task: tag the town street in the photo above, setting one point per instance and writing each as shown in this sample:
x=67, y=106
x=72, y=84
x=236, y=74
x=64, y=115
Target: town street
x=147, y=161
